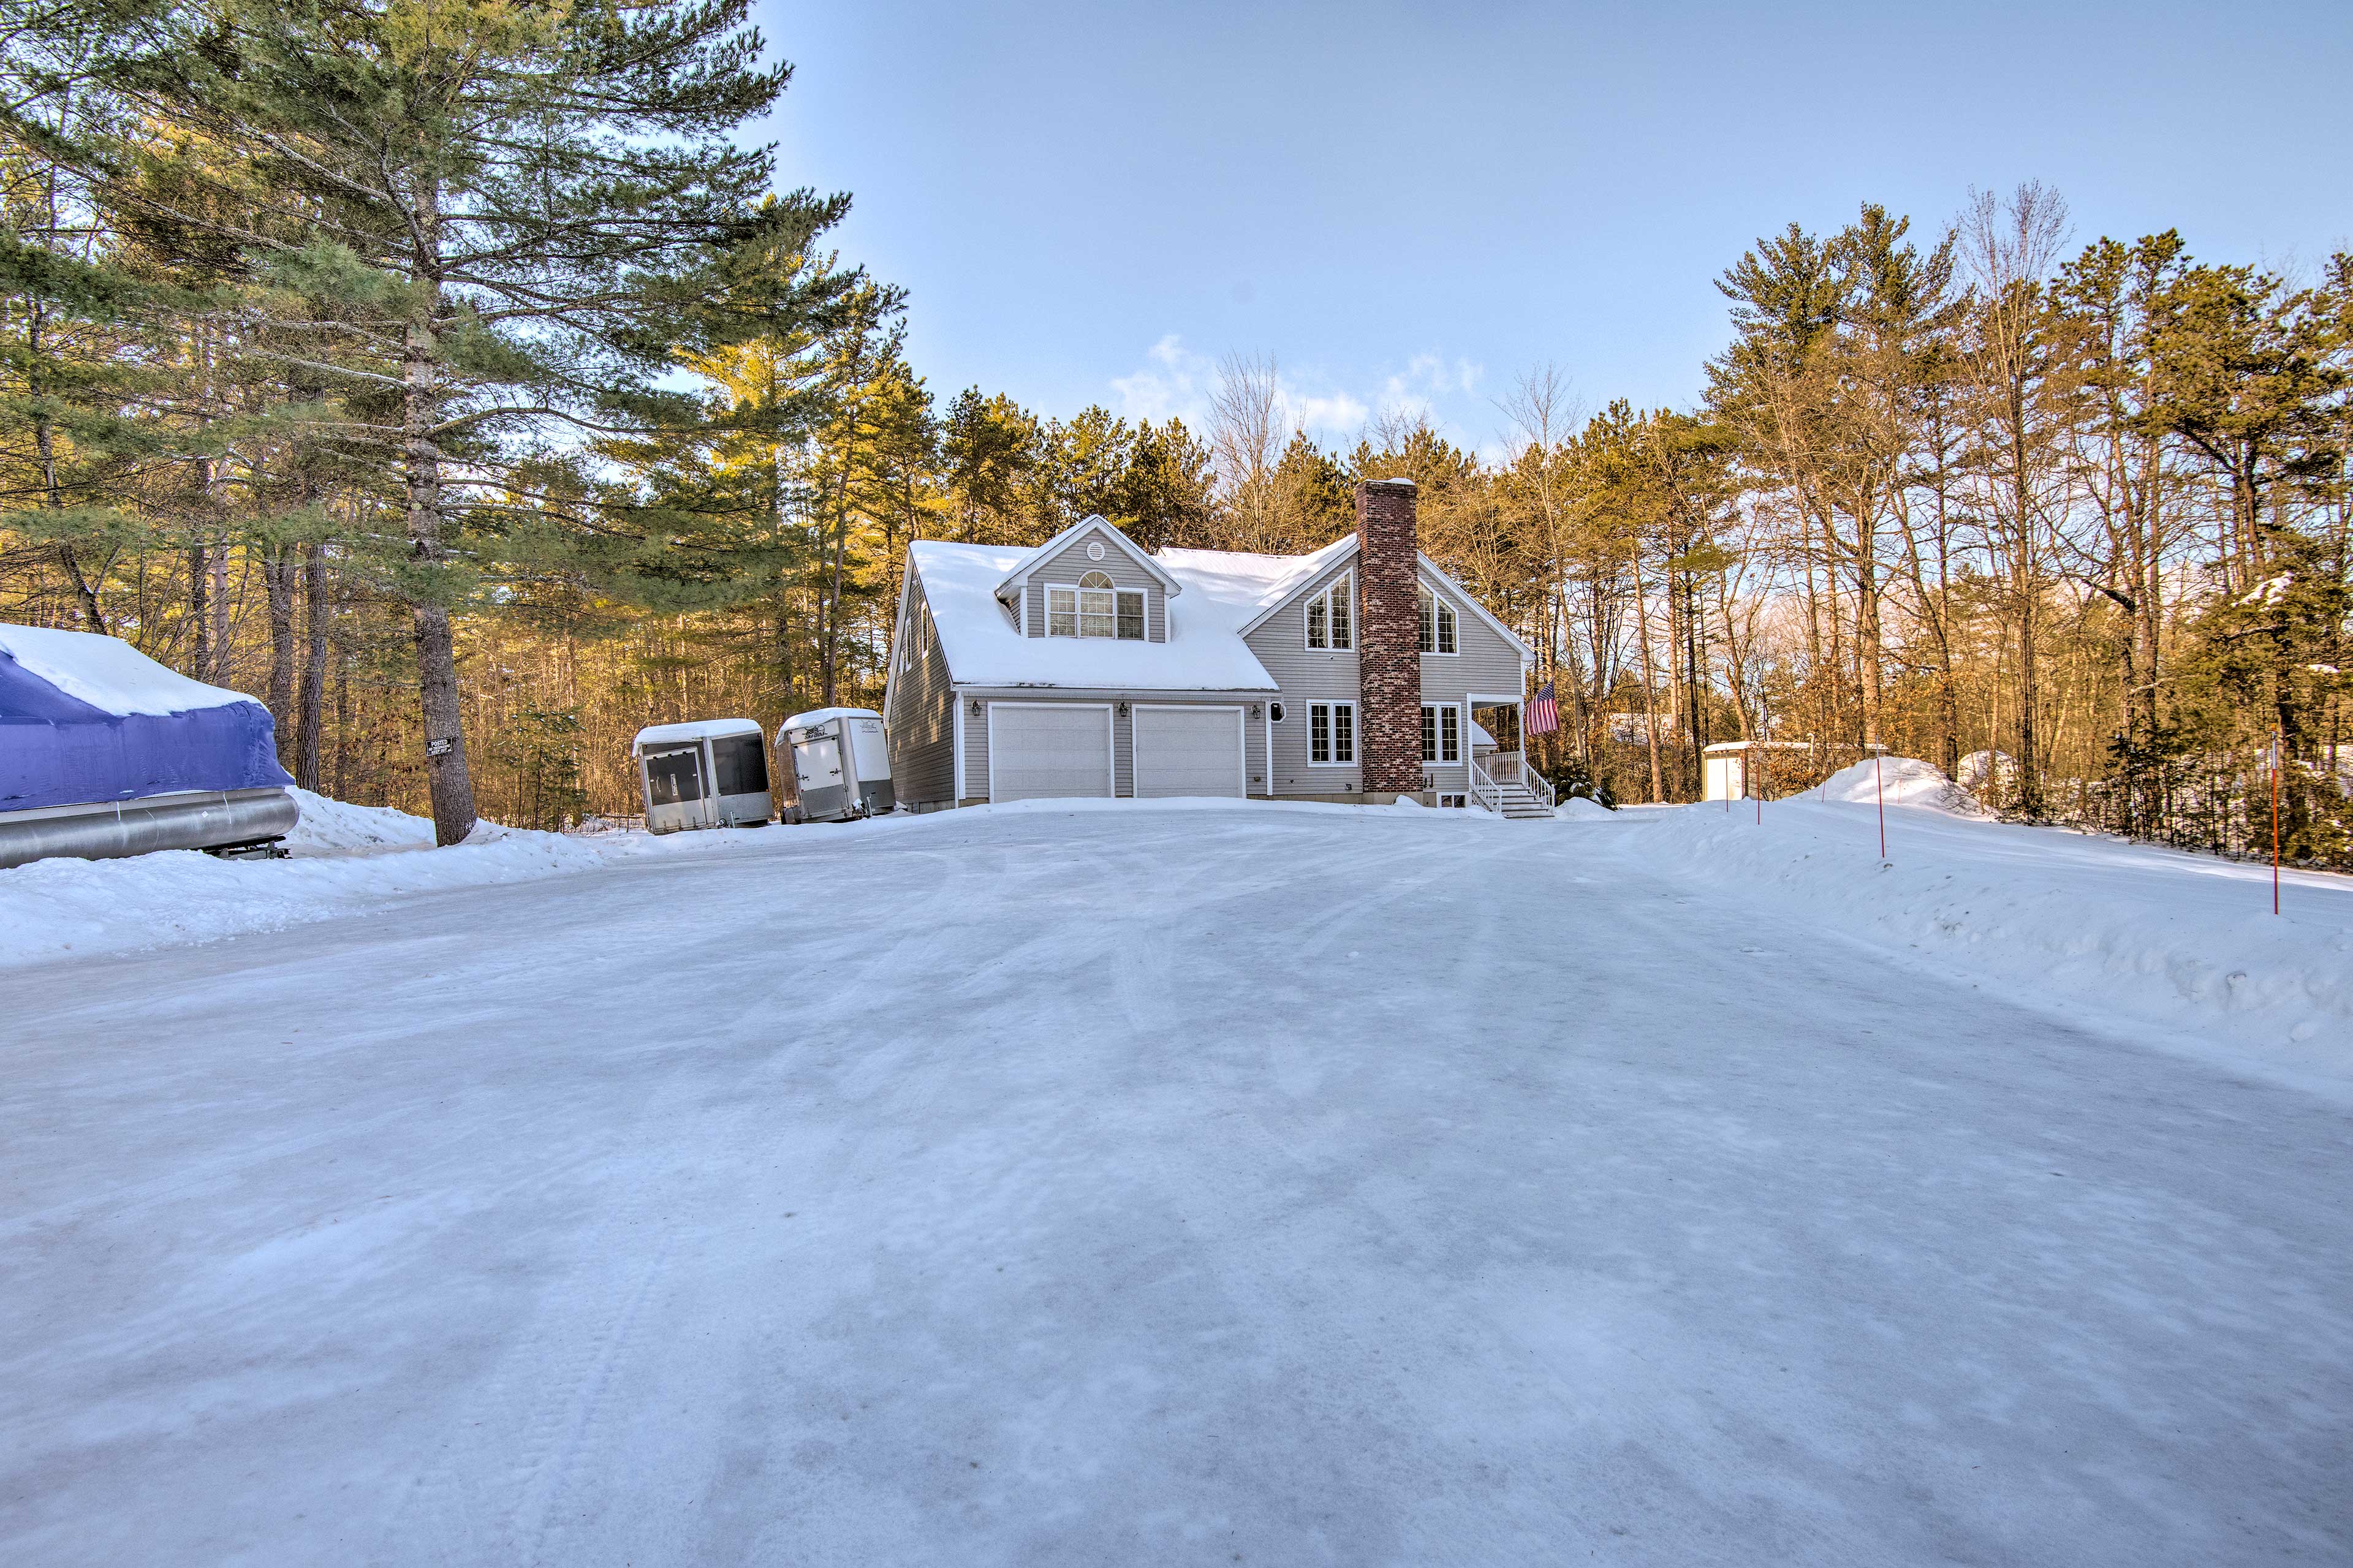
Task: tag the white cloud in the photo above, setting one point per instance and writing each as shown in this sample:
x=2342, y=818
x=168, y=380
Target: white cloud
x=1175, y=381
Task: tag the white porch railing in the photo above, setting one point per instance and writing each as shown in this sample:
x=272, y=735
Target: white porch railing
x=1483, y=791
x=1499, y=769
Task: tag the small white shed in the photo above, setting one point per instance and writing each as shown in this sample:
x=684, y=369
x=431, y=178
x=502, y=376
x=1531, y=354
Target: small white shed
x=710, y=773
x=1740, y=770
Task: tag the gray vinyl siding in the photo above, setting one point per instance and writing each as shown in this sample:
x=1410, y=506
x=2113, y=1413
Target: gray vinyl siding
x=1122, y=732
x=1065, y=567
x=1306, y=675
x=1487, y=664
x=920, y=716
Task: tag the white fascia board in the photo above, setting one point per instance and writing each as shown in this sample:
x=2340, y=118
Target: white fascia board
x=898, y=626
x=1020, y=574
x=1470, y=602
x=1307, y=580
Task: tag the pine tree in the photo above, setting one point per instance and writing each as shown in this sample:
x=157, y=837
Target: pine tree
x=514, y=210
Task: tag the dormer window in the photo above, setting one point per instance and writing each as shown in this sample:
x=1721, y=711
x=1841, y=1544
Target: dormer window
x=1095, y=607
x=1437, y=623
x=1332, y=617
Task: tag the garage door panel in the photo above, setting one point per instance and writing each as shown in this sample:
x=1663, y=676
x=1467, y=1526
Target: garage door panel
x=1187, y=752
x=1049, y=753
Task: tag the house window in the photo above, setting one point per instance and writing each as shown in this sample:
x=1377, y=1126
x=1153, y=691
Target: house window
x=1095, y=609
x=1437, y=623
x=1332, y=616
x=1332, y=734
x=1442, y=734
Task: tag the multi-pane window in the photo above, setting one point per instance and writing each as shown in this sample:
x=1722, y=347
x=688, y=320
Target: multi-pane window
x=1098, y=605
x=1437, y=623
x=1442, y=734
x=1094, y=608
x=1332, y=616
x=1332, y=734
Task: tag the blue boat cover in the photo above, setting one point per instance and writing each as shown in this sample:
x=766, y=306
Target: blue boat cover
x=87, y=720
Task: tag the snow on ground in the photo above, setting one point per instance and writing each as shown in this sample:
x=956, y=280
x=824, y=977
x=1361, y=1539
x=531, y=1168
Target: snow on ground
x=2184, y=946
x=336, y=826
x=1181, y=1186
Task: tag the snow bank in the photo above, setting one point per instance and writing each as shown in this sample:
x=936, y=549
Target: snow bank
x=1577, y=809
x=2180, y=949
x=63, y=908
x=330, y=826
x=1900, y=781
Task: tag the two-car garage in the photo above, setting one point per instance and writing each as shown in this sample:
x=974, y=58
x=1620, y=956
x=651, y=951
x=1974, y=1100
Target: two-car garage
x=1061, y=749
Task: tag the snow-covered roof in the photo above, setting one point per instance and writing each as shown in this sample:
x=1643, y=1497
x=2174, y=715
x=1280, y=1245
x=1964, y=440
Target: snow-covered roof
x=984, y=647
x=109, y=673
x=819, y=715
x=695, y=730
x=1030, y=560
x=1228, y=594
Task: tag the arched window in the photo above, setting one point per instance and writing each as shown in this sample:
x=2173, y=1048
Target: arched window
x=1095, y=607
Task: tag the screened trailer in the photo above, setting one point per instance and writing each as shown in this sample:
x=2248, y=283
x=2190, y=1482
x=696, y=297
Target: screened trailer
x=840, y=766
x=712, y=772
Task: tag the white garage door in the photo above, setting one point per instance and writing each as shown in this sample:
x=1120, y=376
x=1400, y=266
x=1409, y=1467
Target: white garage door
x=1188, y=751
x=1045, y=752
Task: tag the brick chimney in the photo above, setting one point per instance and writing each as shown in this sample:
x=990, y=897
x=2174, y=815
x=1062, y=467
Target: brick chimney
x=1388, y=642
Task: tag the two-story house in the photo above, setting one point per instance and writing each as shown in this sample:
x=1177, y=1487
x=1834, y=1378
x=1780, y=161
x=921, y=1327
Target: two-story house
x=1087, y=666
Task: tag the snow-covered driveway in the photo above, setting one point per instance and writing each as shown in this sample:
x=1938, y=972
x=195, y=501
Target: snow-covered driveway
x=1156, y=1186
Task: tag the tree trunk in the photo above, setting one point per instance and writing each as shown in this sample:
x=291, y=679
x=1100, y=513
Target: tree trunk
x=200, y=646
x=308, y=703
x=278, y=570
x=448, y=780
x=1649, y=680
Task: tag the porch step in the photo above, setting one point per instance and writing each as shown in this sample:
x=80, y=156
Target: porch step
x=1519, y=805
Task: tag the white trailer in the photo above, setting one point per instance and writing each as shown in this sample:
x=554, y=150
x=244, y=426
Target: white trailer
x=712, y=773
x=841, y=764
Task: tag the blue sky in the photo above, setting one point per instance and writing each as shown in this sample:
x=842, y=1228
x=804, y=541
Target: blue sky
x=1412, y=204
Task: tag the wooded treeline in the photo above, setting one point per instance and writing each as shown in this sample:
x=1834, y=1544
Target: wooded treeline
x=446, y=375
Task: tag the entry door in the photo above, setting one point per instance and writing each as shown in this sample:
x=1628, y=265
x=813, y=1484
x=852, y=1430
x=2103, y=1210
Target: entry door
x=1189, y=752
x=1049, y=751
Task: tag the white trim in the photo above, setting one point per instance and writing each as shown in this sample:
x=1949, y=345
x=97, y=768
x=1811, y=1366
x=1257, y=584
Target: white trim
x=1331, y=584
x=1242, y=740
x=898, y=624
x=956, y=712
x=1111, y=744
x=1438, y=601
x=1266, y=723
x=1353, y=736
x=1283, y=596
x=1462, y=733
x=1019, y=578
x=1469, y=603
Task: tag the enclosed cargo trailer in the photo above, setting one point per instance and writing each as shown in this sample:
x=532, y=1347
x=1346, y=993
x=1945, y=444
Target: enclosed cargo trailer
x=712, y=773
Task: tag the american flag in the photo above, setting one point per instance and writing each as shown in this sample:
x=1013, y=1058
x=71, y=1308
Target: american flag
x=1543, y=718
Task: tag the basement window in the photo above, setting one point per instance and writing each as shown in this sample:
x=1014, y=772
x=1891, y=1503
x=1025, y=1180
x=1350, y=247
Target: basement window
x=1332, y=734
